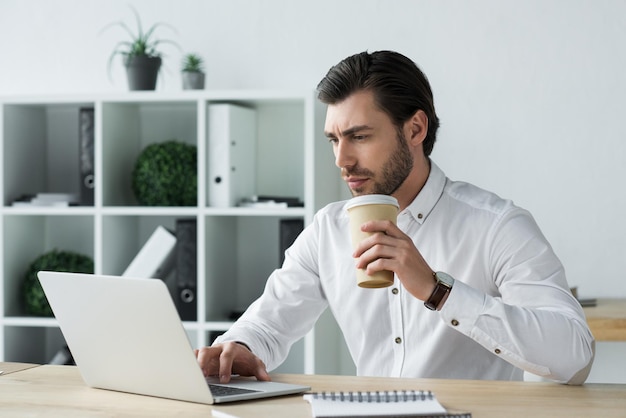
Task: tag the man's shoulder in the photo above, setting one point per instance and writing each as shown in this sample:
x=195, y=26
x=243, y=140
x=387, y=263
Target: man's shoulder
x=465, y=195
x=333, y=210
x=477, y=198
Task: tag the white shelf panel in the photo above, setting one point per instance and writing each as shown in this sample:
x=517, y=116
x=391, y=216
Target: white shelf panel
x=217, y=325
x=163, y=97
x=207, y=211
x=26, y=321
x=50, y=211
x=148, y=211
x=288, y=212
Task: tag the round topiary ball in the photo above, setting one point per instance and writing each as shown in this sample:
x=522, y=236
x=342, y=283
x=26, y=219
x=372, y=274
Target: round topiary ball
x=35, y=302
x=166, y=174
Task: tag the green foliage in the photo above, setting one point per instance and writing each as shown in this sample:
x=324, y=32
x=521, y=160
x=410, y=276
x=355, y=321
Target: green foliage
x=35, y=302
x=140, y=43
x=166, y=174
x=193, y=63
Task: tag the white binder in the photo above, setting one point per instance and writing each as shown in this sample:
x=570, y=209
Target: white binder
x=155, y=259
x=231, y=154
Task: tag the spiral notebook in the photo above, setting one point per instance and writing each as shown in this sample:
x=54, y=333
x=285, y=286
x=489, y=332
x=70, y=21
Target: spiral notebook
x=403, y=403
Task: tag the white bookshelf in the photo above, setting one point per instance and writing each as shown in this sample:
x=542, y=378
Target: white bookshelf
x=237, y=247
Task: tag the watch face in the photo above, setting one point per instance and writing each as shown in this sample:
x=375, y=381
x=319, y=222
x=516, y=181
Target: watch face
x=444, y=278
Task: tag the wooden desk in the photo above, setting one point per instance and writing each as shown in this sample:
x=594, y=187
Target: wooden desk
x=607, y=320
x=7, y=368
x=58, y=391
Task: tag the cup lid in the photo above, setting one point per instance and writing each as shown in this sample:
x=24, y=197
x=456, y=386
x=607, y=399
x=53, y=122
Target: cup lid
x=372, y=199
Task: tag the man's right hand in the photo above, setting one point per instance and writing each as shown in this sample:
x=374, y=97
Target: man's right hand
x=229, y=358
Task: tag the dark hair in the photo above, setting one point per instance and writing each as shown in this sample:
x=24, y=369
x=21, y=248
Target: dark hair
x=400, y=88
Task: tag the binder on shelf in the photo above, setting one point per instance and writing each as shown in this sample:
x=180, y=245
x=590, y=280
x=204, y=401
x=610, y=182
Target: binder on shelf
x=155, y=259
x=86, y=155
x=289, y=231
x=271, y=202
x=231, y=154
x=63, y=357
x=186, y=269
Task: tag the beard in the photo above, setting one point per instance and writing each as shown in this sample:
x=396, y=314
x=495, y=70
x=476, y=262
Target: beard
x=393, y=172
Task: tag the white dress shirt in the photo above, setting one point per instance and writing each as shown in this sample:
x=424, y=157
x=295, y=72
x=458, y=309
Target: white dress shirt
x=510, y=308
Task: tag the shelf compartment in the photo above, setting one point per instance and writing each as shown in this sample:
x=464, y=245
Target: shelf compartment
x=240, y=254
x=41, y=149
x=32, y=344
x=279, y=144
x=132, y=126
x=124, y=236
x=26, y=237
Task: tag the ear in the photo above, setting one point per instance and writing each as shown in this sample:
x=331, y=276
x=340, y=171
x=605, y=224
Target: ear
x=416, y=128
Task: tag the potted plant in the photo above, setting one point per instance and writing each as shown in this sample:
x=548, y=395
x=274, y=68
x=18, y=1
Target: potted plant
x=35, y=301
x=193, y=72
x=166, y=174
x=140, y=54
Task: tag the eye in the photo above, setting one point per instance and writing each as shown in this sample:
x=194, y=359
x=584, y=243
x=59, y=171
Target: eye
x=332, y=140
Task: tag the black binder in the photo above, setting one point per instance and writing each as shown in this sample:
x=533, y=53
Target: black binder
x=86, y=155
x=289, y=231
x=186, y=269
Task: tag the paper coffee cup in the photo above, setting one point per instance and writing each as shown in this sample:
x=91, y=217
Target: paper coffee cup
x=367, y=208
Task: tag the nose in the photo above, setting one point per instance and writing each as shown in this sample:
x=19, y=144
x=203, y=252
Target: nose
x=344, y=156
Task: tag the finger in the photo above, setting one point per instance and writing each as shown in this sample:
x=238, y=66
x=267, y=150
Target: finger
x=261, y=372
x=374, y=247
x=374, y=260
x=385, y=226
x=207, y=357
x=377, y=265
x=375, y=239
x=226, y=363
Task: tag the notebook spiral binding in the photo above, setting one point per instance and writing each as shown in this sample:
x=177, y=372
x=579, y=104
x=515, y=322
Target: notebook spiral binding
x=377, y=397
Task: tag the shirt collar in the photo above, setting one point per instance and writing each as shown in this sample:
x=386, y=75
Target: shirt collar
x=428, y=197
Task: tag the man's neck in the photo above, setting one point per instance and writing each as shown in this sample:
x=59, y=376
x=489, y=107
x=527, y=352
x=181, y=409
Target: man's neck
x=414, y=183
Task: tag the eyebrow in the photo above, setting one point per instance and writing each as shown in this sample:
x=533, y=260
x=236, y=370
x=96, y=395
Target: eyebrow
x=349, y=131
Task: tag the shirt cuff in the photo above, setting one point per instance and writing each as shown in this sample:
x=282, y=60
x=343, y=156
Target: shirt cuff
x=463, y=307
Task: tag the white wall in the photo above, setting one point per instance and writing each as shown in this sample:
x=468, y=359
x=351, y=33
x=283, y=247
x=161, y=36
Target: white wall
x=530, y=93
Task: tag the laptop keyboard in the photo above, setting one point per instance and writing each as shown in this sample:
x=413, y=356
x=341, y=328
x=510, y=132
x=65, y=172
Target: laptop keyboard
x=220, y=390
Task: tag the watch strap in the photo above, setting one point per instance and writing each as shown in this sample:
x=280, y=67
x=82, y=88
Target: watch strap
x=438, y=295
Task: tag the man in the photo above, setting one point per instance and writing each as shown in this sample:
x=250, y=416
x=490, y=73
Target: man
x=497, y=299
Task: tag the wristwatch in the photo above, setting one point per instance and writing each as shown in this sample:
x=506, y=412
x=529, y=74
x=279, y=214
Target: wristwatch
x=442, y=288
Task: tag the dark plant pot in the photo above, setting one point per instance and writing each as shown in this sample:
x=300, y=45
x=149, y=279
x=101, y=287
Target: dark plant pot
x=193, y=80
x=142, y=71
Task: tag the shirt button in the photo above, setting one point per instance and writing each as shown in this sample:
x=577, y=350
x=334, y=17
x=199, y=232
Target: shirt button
x=454, y=322
x=497, y=351
x=398, y=340
x=395, y=290
x=420, y=216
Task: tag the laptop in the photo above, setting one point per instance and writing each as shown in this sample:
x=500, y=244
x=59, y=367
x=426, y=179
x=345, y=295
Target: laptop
x=125, y=334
